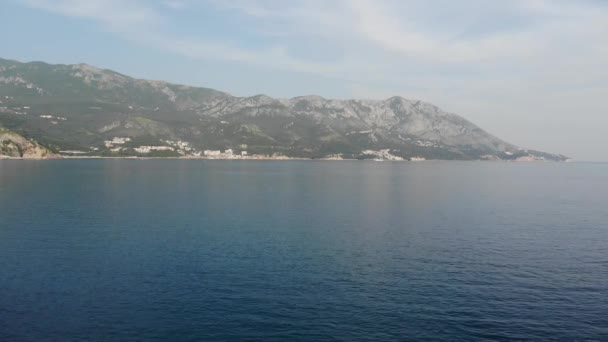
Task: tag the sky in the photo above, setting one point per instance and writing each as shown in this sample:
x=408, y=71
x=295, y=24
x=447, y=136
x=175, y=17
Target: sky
x=532, y=72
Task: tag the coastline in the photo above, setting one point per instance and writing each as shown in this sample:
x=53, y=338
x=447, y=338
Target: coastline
x=180, y=158
x=273, y=159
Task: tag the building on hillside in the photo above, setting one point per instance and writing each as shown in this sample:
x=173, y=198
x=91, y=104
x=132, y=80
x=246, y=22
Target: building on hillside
x=211, y=153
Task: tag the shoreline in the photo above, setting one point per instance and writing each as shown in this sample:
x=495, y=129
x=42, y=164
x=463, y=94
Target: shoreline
x=273, y=159
x=185, y=158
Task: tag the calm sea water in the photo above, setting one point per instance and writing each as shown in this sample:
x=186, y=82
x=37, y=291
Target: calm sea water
x=311, y=251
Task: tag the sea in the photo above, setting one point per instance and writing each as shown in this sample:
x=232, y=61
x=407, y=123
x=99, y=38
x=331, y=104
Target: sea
x=212, y=250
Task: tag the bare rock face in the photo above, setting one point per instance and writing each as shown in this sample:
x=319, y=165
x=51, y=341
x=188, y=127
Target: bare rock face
x=13, y=145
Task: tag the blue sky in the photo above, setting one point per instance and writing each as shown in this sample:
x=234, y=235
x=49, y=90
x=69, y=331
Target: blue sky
x=533, y=72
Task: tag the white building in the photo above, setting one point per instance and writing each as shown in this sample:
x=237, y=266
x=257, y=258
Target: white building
x=116, y=141
x=148, y=149
x=210, y=153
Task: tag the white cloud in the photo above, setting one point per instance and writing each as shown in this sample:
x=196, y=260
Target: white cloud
x=374, y=37
x=142, y=23
x=175, y=4
x=116, y=15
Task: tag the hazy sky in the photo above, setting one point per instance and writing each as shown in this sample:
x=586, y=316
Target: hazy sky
x=533, y=72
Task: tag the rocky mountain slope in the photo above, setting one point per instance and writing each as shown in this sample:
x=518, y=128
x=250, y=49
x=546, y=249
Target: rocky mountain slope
x=91, y=111
x=13, y=145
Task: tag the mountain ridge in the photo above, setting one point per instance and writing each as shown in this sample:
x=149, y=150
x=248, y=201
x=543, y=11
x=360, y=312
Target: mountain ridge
x=80, y=107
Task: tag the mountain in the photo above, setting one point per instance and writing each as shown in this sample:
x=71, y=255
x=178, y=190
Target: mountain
x=81, y=109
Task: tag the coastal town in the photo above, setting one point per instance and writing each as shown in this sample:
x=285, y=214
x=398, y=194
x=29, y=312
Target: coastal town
x=122, y=147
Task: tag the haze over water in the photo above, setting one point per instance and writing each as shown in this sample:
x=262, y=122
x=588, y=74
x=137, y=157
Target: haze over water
x=310, y=251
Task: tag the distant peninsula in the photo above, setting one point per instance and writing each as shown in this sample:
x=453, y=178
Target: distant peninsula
x=67, y=111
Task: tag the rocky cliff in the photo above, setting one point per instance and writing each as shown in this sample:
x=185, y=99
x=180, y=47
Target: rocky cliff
x=13, y=145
